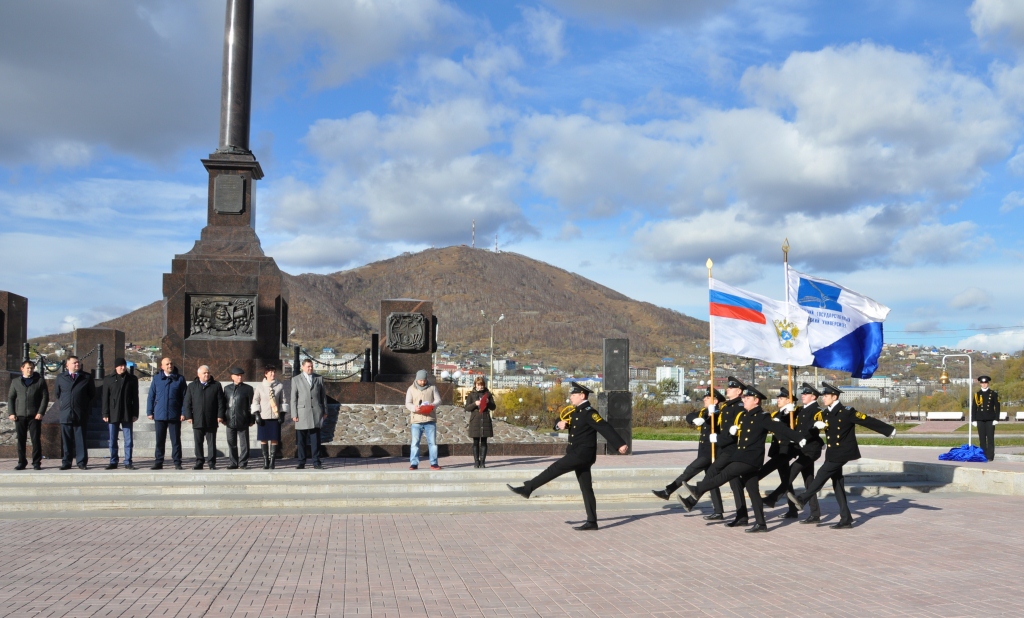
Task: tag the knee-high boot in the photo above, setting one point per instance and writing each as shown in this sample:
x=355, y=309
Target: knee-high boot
x=273, y=455
x=266, y=456
x=483, y=452
x=476, y=452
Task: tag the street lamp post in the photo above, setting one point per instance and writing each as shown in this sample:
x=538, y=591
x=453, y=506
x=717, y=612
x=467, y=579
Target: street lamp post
x=918, y=398
x=500, y=318
x=944, y=379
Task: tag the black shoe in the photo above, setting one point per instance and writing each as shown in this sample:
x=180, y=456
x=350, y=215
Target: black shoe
x=21, y=466
x=522, y=491
x=65, y=466
x=157, y=467
x=795, y=500
x=232, y=467
x=590, y=525
x=213, y=466
x=771, y=499
x=757, y=528
x=738, y=522
x=715, y=517
x=111, y=467
x=318, y=466
x=687, y=502
x=37, y=466
x=690, y=490
x=813, y=519
x=178, y=466
x=661, y=493
x=83, y=467
x=301, y=466
x=197, y=466
x=843, y=525
x=130, y=467
x=244, y=466
x=483, y=464
x=792, y=513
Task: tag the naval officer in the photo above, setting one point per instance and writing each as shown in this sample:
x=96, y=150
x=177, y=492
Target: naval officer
x=985, y=416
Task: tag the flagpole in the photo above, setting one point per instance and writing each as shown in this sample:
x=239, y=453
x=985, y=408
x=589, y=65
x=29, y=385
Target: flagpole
x=789, y=368
x=711, y=364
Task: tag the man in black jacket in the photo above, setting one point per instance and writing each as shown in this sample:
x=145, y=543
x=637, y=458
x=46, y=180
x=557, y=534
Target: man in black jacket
x=580, y=454
x=726, y=446
x=120, y=410
x=204, y=406
x=26, y=404
x=74, y=392
x=703, y=419
x=748, y=431
x=782, y=451
x=840, y=447
x=237, y=417
x=808, y=422
x=985, y=416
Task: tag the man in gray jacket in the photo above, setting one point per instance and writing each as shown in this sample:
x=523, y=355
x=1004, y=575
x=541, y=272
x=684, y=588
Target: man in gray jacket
x=26, y=404
x=309, y=409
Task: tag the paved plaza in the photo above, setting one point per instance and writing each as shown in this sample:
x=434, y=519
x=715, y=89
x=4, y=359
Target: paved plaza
x=933, y=554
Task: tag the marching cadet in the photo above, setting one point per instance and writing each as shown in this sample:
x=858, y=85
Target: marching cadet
x=807, y=421
x=749, y=431
x=841, y=447
x=704, y=420
x=781, y=452
x=580, y=454
x=732, y=408
x=985, y=416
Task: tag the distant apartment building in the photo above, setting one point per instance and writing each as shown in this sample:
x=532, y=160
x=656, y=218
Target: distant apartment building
x=504, y=366
x=876, y=382
x=672, y=373
x=639, y=373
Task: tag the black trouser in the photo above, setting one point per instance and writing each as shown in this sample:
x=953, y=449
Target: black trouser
x=830, y=470
x=734, y=484
x=162, y=429
x=781, y=463
x=72, y=438
x=210, y=437
x=804, y=466
x=479, y=449
x=238, y=440
x=571, y=462
x=26, y=426
x=701, y=464
x=987, y=439
x=740, y=476
x=310, y=438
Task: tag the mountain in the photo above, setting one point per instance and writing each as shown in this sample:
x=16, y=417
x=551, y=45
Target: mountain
x=557, y=315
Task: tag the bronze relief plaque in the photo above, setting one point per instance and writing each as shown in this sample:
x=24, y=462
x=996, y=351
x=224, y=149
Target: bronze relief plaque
x=407, y=332
x=221, y=317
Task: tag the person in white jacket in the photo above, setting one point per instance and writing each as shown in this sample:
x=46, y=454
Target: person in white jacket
x=421, y=400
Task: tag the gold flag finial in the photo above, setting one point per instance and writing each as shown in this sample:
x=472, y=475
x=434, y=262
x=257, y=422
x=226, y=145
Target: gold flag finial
x=709, y=264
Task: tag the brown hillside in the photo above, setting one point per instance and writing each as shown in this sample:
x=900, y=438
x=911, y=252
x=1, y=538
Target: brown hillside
x=547, y=310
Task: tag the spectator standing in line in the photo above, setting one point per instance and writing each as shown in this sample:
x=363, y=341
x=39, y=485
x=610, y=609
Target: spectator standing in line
x=26, y=404
x=269, y=407
x=164, y=408
x=237, y=418
x=74, y=392
x=204, y=407
x=985, y=416
x=309, y=409
x=120, y=410
x=479, y=403
x=421, y=400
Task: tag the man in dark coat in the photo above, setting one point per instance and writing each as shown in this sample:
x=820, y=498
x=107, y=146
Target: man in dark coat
x=74, y=392
x=985, y=416
x=237, y=417
x=26, y=404
x=840, y=447
x=164, y=408
x=581, y=453
x=704, y=419
x=204, y=406
x=725, y=446
x=808, y=422
x=120, y=410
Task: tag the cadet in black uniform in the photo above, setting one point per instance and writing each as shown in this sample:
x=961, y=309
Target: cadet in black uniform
x=781, y=452
x=703, y=420
x=808, y=422
x=840, y=447
x=584, y=425
x=985, y=416
x=749, y=430
x=726, y=447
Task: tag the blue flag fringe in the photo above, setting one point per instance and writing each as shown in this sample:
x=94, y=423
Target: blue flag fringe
x=964, y=452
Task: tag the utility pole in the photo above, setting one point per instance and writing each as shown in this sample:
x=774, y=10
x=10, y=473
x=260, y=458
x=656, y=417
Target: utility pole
x=474, y=234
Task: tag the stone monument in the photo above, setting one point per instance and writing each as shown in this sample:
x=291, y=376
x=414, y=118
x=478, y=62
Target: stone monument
x=225, y=301
x=86, y=342
x=13, y=335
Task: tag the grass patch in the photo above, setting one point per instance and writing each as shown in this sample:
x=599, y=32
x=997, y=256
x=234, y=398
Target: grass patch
x=1002, y=427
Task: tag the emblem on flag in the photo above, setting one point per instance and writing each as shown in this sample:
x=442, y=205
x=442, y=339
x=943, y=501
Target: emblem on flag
x=787, y=332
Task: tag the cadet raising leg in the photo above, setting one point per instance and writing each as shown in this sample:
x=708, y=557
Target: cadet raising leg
x=703, y=420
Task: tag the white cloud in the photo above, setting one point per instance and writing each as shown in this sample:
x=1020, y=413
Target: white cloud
x=971, y=298
x=996, y=19
x=1008, y=341
x=1012, y=201
x=545, y=32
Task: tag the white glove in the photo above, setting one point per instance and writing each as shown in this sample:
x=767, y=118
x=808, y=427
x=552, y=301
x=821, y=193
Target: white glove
x=698, y=422
x=802, y=443
x=819, y=424
x=714, y=438
x=893, y=433
x=974, y=423
x=994, y=423
x=733, y=430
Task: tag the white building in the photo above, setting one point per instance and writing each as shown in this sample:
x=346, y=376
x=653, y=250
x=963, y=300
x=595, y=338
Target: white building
x=876, y=382
x=501, y=366
x=672, y=373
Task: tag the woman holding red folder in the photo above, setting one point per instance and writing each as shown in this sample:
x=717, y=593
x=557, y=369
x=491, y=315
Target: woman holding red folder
x=479, y=403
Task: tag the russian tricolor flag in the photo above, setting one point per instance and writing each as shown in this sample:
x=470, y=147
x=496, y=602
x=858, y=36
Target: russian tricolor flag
x=754, y=326
x=735, y=307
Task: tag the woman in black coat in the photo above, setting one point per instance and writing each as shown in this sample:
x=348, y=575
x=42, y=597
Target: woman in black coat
x=479, y=403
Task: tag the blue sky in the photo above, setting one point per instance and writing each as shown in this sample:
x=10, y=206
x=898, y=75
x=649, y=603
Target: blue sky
x=625, y=141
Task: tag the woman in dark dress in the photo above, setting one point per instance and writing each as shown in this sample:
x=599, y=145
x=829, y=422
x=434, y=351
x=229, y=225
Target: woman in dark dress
x=479, y=403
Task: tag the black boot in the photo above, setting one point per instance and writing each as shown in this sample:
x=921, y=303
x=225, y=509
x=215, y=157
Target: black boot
x=483, y=454
x=266, y=456
x=476, y=452
x=273, y=455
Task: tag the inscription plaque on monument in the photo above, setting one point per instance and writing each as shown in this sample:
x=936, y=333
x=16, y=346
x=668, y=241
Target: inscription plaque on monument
x=222, y=317
x=407, y=332
x=229, y=194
